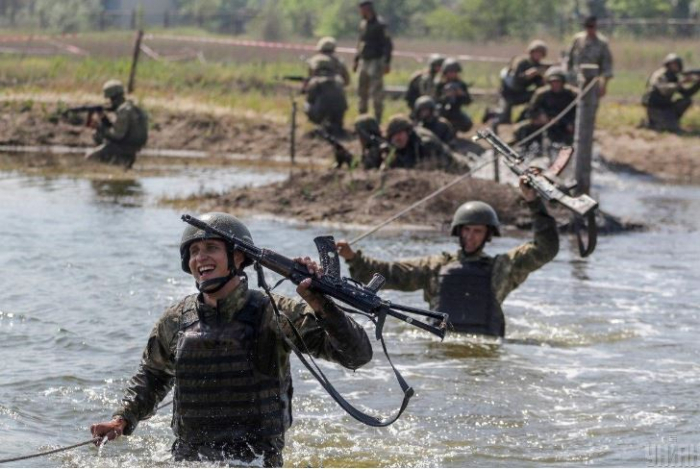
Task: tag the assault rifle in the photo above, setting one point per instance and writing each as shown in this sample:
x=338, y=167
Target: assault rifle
x=582, y=206
x=342, y=155
x=362, y=299
x=356, y=295
x=294, y=78
x=91, y=110
x=692, y=72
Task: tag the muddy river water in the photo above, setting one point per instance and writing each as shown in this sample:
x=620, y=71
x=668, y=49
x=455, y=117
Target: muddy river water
x=601, y=366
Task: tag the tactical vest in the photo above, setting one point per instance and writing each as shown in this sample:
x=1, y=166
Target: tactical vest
x=137, y=135
x=220, y=396
x=467, y=295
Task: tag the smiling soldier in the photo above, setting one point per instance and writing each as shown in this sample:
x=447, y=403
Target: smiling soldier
x=469, y=285
x=224, y=352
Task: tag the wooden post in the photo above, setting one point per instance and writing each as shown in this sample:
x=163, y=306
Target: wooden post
x=134, y=61
x=293, y=130
x=496, y=167
x=585, y=125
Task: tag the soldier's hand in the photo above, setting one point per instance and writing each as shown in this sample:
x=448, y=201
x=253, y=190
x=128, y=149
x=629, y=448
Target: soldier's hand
x=315, y=300
x=112, y=429
x=532, y=71
x=602, y=90
x=529, y=194
x=387, y=69
x=344, y=250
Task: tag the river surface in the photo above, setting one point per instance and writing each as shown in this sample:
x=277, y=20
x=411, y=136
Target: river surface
x=600, y=366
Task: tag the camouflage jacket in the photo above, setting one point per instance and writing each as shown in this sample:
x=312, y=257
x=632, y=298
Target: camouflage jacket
x=426, y=151
x=374, y=42
x=440, y=127
x=591, y=51
x=509, y=270
x=551, y=104
x=336, y=337
x=452, y=95
x=341, y=70
x=661, y=87
x=517, y=71
x=129, y=128
x=327, y=90
x=422, y=83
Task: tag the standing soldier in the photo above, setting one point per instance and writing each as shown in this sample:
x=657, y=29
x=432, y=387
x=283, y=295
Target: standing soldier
x=663, y=112
x=121, y=140
x=452, y=93
x=425, y=115
x=423, y=81
x=225, y=353
x=326, y=50
x=371, y=140
x=416, y=147
x=469, y=285
x=325, y=97
x=589, y=47
x=547, y=103
x=373, y=59
x=524, y=75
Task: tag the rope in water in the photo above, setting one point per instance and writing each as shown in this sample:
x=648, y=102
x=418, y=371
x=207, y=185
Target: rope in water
x=64, y=448
x=439, y=191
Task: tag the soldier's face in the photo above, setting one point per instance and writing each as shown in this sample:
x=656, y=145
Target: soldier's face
x=400, y=139
x=556, y=85
x=537, y=55
x=366, y=12
x=472, y=237
x=208, y=259
x=674, y=67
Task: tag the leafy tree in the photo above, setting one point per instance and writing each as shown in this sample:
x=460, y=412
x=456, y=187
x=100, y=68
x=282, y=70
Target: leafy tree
x=68, y=16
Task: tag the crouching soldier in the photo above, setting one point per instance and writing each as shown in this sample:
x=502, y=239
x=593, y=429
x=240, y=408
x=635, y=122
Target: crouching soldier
x=121, y=140
x=225, y=354
x=325, y=97
x=469, y=285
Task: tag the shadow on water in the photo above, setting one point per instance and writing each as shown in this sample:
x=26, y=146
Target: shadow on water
x=125, y=192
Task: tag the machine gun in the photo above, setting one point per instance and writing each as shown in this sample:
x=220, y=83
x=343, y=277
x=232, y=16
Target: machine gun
x=342, y=155
x=91, y=110
x=582, y=206
x=362, y=299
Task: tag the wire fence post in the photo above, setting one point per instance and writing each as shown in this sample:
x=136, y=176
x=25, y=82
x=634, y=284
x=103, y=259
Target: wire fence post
x=585, y=126
x=134, y=61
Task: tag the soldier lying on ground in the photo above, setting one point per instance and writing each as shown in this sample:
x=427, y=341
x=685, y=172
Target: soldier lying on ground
x=452, y=94
x=663, y=111
x=547, y=103
x=224, y=353
x=416, y=147
x=122, y=139
x=469, y=285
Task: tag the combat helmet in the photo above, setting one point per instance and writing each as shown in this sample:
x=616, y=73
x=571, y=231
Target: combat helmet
x=398, y=123
x=367, y=124
x=113, y=88
x=451, y=65
x=435, y=60
x=673, y=57
x=475, y=213
x=322, y=66
x=537, y=44
x=424, y=102
x=326, y=45
x=221, y=221
x=555, y=73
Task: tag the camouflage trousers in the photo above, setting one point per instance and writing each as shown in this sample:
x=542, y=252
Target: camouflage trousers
x=668, y=118
x=371, y=84
x=113, y=153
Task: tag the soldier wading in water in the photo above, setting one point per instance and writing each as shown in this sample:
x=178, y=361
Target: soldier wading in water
x=224, y=353
x=469, y=285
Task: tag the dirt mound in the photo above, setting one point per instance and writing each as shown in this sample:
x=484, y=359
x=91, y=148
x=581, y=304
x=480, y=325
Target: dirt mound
x=366, y=197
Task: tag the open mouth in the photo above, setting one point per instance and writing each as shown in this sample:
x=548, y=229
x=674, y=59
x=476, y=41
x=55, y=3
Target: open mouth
x=206, y=271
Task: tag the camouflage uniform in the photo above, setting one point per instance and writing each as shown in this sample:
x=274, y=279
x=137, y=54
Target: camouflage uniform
x=422, y=83
x=373, y=149
x=425, y=151
x=335, y=337
x=124, y=138
x=663, y=112
x=341, y=70
x=452, y=96
x=325, y=98
x=374, y=50
x=548, y=103
x=508, y=271
x=590, y=51
x=517, y=87
x=440, y=127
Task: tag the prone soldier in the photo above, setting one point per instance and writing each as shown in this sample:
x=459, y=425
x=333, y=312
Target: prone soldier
x=121, y=140
x=373, y=59
x=422, y=82
x=451, y=94
x=663, y=111
x=469, y=285
x=425, y=115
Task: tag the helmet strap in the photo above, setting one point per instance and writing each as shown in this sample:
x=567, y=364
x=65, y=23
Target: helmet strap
x=215, y=284
x=487, y=238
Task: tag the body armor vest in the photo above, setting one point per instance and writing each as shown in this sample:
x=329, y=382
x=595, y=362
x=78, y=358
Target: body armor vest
x=467, y=295
x=220, y=396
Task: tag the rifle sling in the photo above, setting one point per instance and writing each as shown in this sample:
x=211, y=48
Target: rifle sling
x=317, y=373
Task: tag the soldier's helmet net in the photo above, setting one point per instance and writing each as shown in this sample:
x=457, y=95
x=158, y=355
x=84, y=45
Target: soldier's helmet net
x=326, y=44
x=475, y=213
x=672, y=57
x=436, y=60
x=221, y=221
x=451, y=65
x=424, y=102
x=398, y=124
x=112, y=89
x=555, y=73
x=537, y=45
